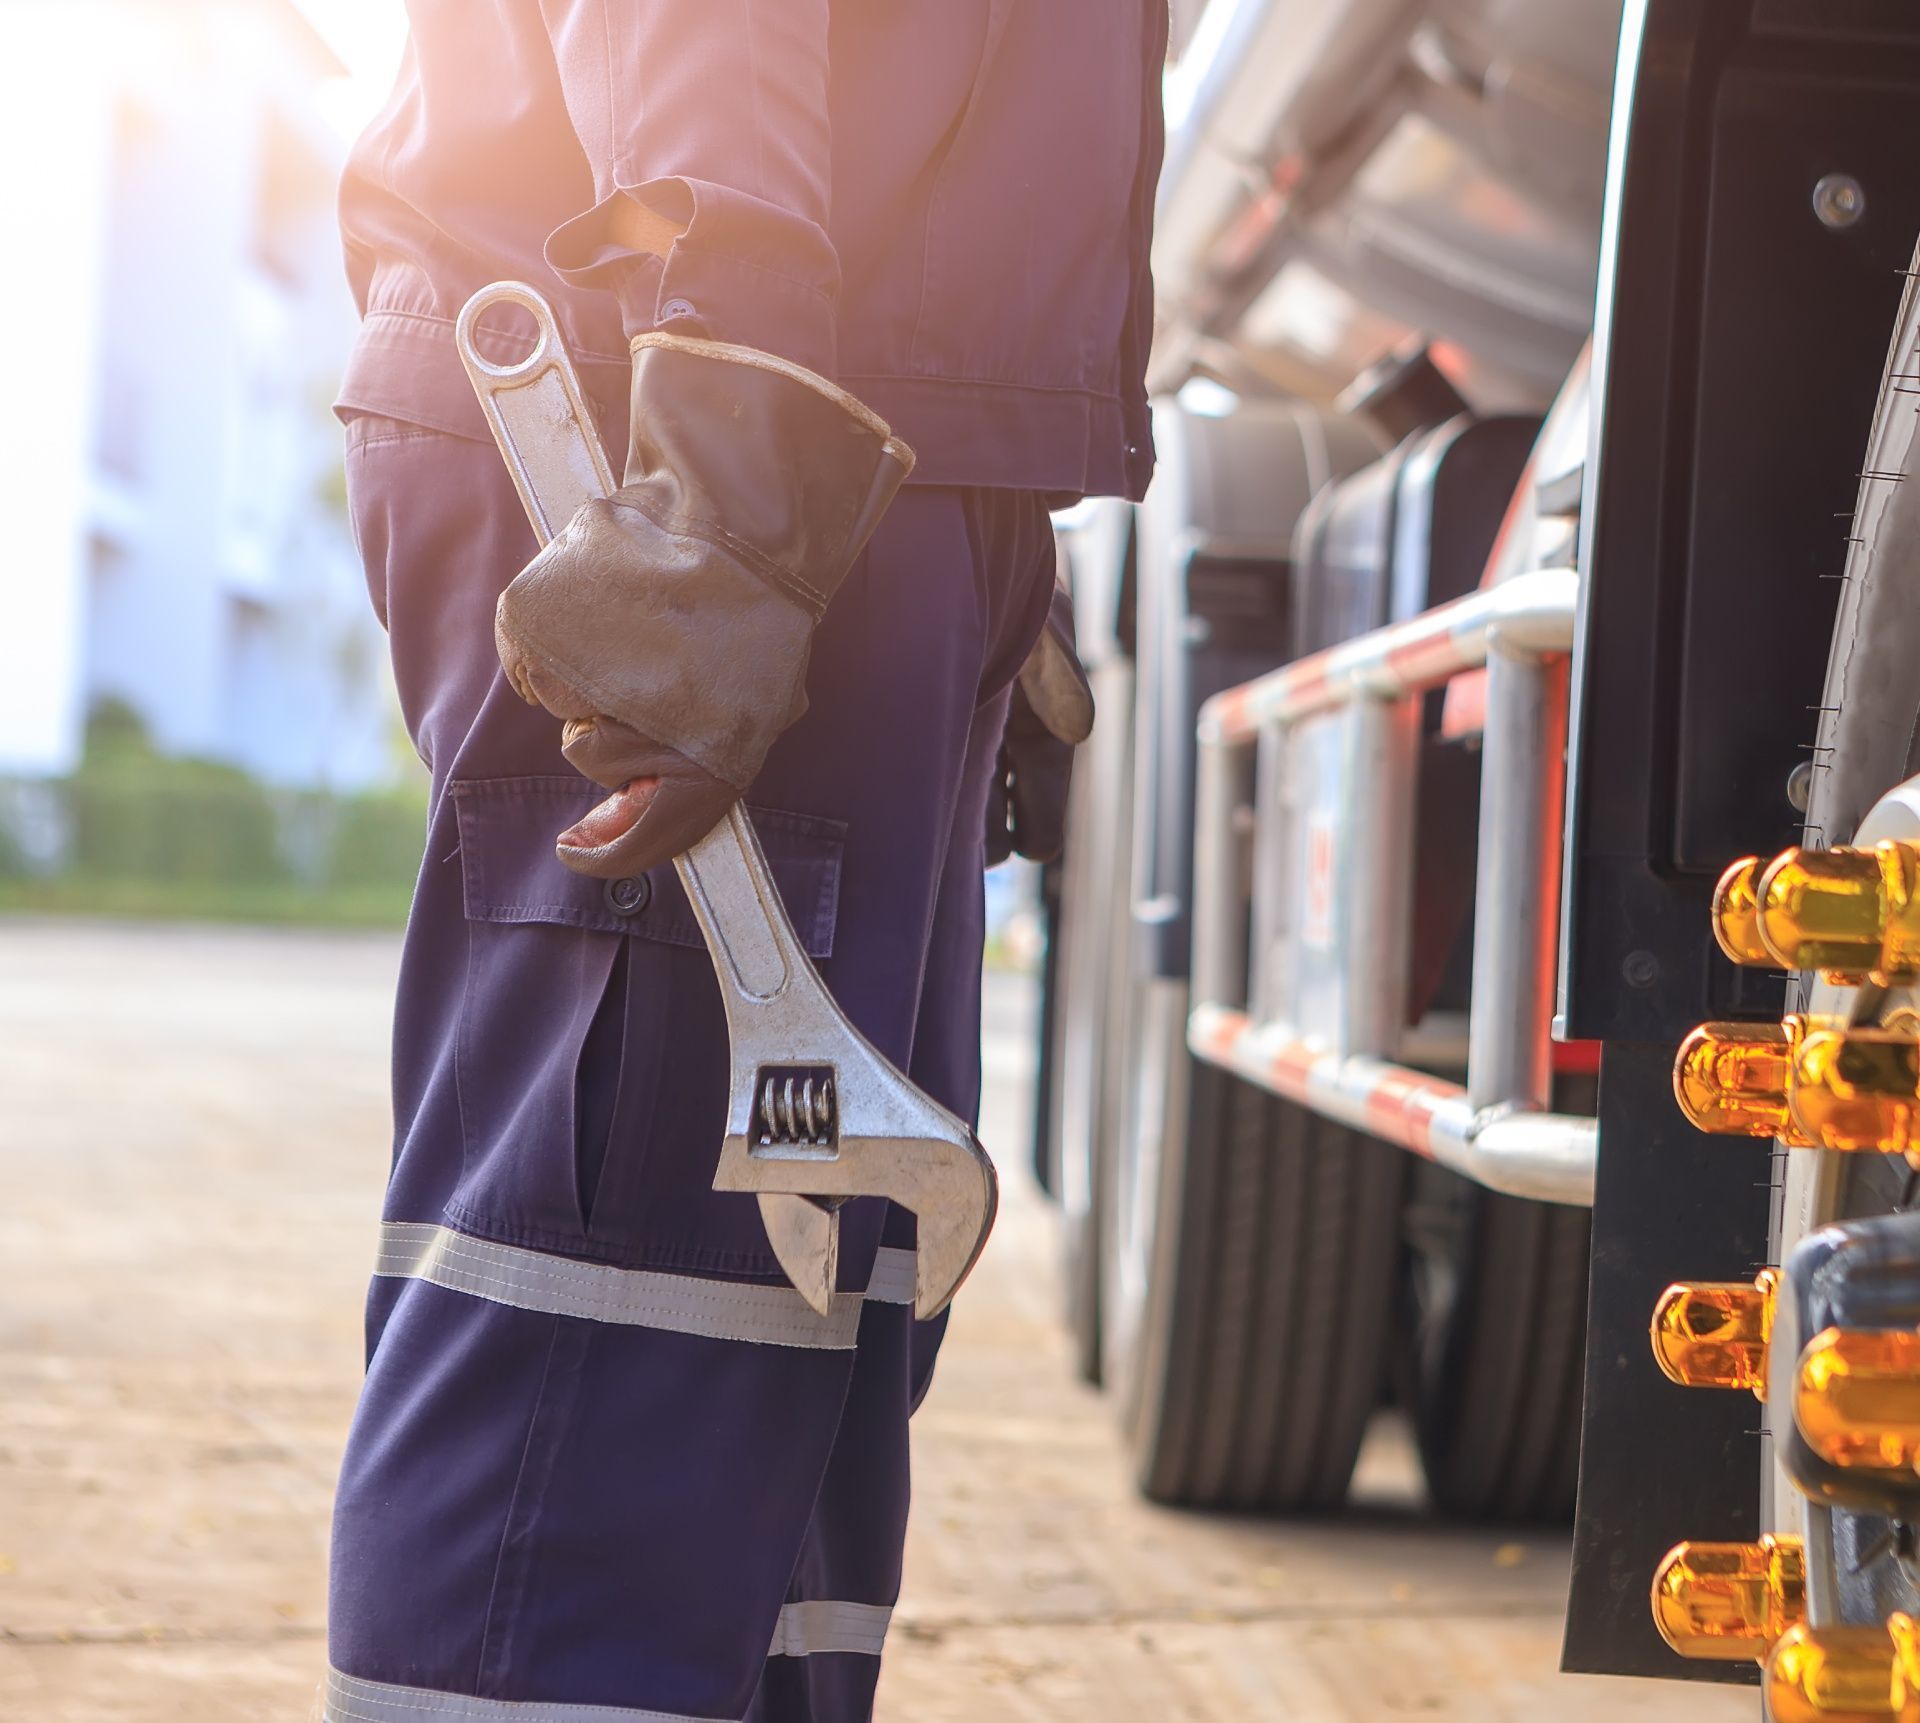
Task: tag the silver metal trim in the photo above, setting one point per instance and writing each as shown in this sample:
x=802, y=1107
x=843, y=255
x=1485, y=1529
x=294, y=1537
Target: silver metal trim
x=1495, y=1130
x=349, y=1699
x=1530, y=615
x=1546, y=1156
x=829, y=1624
x=1516, y=948
x=637, y=1298
x=1381, y=753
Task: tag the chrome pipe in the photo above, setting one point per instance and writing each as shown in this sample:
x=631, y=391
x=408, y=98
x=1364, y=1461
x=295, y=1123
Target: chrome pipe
x=1547, y=1157
x=1509, y=1050
x=1530, y=615
x=1496, y=1129
x=1222, y=811
x=1379, y=767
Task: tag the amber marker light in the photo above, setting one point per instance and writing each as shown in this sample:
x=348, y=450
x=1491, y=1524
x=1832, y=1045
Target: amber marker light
x=1713, y=1334
x=1856, y=1397
x=1732, y=1078
x=1849, y=913
x=1857, y=1089
x=1736, y=913
x=1730, y=1602
x=1845, y=1674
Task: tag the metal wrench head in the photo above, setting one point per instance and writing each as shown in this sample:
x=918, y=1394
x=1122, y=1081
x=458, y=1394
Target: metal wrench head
x=814, y=1109
x=940, y=1173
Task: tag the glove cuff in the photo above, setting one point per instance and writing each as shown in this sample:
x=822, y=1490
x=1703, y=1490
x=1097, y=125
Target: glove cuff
x=683, y=606
x=761, y=456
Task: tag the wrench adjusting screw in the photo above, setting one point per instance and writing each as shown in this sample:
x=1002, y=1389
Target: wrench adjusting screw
x=793, y=1107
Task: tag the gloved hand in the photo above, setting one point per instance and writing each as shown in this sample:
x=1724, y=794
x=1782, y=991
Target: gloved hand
x=669, y=626
x=1051, y=714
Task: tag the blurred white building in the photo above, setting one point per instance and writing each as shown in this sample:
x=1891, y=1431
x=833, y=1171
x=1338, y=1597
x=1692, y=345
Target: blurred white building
x=175, y=317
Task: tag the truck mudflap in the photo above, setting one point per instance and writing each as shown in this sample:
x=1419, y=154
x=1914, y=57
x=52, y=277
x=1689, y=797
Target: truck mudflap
x=1731, y=307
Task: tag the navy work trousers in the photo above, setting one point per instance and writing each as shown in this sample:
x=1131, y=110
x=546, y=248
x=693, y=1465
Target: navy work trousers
x=607, y=1466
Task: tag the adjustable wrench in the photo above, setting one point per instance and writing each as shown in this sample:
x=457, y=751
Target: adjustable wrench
x=815, y=1114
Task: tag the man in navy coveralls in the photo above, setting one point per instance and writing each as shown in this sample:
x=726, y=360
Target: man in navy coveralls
x=608, y=1467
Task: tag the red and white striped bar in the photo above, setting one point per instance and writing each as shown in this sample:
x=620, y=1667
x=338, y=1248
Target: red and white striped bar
x=1530, y=613
x=1546, y=1156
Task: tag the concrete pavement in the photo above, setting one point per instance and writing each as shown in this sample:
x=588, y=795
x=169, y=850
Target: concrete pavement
x=192, y=1139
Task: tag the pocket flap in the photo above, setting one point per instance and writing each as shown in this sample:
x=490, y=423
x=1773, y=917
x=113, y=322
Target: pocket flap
x=509, y=872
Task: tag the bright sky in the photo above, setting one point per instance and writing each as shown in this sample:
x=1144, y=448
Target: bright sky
x=367, y=35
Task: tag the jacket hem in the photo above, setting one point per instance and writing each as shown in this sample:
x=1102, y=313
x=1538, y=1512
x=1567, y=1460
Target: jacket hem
x=1065, y=442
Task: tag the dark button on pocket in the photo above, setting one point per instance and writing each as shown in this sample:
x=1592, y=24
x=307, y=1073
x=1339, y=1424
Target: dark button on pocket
x=629, y=896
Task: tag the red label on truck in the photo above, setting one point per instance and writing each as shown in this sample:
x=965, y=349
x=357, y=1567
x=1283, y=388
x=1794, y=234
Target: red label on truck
x=1316, y=913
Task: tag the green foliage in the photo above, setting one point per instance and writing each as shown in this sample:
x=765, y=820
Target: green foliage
x=150, y=834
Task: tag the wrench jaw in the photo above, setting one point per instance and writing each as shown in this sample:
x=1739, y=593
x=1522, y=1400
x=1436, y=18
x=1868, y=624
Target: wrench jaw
x=815, y=1110
x=952, y=1233
x=949, y=1186
x=806, y=1240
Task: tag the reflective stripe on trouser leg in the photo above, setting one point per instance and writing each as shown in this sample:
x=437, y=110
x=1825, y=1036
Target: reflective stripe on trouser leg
x=805, y=1630
x=824, y=1625
x=680, y=1303
x=347, y=1699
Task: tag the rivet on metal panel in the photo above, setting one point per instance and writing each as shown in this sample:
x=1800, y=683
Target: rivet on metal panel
x=1839, y=200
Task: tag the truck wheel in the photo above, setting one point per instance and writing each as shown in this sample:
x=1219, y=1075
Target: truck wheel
x=1869, y=741
x=1249, y=1282
x=1493, y=1340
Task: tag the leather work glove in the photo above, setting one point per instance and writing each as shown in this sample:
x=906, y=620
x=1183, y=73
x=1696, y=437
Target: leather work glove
x=1051, y=714
x=669, y=626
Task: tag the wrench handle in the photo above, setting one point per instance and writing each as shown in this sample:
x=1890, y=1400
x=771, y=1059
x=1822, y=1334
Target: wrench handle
x=539, y=416
x=537, y=412
x=731, y=888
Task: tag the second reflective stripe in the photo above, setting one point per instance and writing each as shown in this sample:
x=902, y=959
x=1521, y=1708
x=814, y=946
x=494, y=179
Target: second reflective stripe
x=642, y=1298
x=352, y=1700
x=829, y=1625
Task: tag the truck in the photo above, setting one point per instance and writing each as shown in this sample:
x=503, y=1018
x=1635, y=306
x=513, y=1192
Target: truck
x=1482, y=972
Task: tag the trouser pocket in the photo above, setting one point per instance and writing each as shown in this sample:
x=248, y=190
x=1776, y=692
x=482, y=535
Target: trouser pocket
x=592, y=1062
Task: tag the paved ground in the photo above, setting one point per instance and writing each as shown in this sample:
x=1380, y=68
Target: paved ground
x=191, y=1143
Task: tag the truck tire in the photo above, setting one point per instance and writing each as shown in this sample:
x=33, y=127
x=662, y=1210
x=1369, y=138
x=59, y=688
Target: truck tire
x=1246, y=1251
x=1869, y=742
x=1249, y=1283
x=1493, y=1342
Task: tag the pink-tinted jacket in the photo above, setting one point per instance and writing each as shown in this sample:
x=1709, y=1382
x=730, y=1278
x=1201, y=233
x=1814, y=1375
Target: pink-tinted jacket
x=943, y=204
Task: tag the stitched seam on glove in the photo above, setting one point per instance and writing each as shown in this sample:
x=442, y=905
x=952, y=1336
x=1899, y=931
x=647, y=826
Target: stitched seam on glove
x=788, y=583
x=763, y=361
